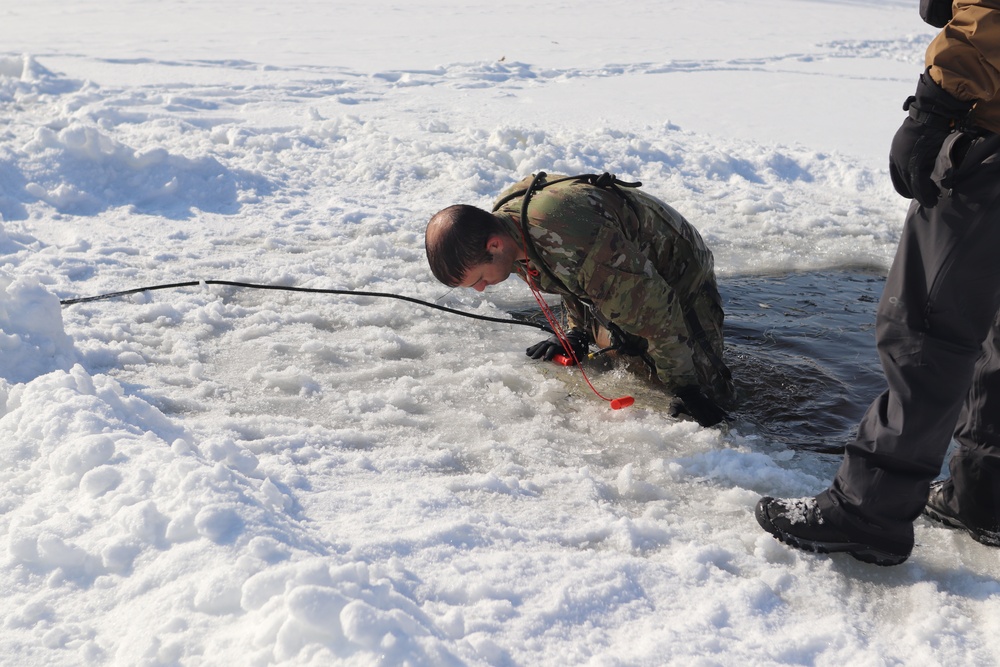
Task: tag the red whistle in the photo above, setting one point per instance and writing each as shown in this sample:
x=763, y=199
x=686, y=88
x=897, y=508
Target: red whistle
x=563, y=360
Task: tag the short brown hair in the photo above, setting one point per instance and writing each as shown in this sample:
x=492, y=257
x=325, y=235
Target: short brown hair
x=458, y=241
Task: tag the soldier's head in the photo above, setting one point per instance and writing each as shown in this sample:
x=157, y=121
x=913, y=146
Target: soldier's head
x=467, y=247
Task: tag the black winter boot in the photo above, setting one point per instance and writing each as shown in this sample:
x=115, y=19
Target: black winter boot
x=939, y=510
x=798, y=522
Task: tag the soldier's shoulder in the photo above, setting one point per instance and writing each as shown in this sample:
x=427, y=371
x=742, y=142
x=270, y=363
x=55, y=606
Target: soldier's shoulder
x=522, y=185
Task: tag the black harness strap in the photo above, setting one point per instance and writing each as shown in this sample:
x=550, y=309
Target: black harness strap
x=606, y=181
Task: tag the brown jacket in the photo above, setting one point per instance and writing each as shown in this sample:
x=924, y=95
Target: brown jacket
x=964, y=58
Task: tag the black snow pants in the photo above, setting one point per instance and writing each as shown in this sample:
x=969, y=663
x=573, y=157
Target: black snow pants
x=938, y=338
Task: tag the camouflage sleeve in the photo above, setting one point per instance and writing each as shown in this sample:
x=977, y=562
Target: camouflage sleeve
x=576, y=313
x=626, y=289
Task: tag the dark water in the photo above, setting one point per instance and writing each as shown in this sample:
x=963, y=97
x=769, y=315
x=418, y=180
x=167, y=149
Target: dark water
x=801, y=347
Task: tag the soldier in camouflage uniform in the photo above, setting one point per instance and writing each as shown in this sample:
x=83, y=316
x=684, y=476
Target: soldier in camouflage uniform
x=628, y=267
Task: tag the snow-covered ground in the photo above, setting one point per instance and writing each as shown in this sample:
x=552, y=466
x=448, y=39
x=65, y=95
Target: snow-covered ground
x=213, y=476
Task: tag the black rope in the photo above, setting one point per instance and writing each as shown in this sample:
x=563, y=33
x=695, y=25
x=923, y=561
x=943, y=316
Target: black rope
x=310, y=290
x=604, y=180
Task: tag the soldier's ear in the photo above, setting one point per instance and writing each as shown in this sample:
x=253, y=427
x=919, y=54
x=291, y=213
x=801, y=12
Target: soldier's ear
x=494, y=244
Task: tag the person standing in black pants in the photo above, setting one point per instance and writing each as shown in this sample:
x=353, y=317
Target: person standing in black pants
x=938, y=322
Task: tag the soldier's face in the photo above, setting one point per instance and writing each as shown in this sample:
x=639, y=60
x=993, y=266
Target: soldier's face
x=481, y=276
x=504, y=253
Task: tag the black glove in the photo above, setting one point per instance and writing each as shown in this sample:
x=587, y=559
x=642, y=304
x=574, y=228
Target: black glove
x=934, y=114
x=692, y=401
x=626, y=343
x=551, y=347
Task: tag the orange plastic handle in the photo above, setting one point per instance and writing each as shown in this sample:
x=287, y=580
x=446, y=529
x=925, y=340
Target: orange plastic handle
x=623, y=402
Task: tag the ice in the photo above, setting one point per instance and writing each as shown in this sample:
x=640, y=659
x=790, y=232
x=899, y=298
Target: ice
x=32, y=337
x=214, y=475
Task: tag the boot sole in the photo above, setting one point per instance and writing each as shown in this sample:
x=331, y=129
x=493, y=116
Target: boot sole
x=862, y=552
x=984, y=537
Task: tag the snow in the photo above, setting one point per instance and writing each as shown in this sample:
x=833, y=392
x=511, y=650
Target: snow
x=221, y=476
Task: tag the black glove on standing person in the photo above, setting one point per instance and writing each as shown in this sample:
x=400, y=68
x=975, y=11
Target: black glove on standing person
x=934, y=114
x=692, y=401
x=551, y=347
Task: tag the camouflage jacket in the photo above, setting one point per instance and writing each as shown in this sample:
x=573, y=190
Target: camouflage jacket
x=634, y=266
